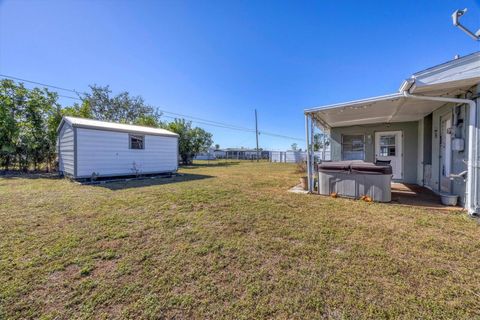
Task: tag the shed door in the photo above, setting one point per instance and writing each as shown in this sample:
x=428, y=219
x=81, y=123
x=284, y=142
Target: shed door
x=445, y=152
x=388, y=147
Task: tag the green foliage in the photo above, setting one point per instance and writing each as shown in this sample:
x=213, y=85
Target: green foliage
x=191, y=141
x=29, y=120
x=318, y=141
x=27, y=126
x=148, y=121
x=82, y=110
x=124, y=108
x=11, y=101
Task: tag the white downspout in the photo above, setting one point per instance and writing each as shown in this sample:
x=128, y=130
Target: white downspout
x=472, y=165
x=307, y=137
x=312, y=155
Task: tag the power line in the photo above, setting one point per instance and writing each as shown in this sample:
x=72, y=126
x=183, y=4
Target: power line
x=68, y=97
x=39, y=83
x=163, y=111
x=193, y=118
x=212, y=124
x=279, y=136
x=210, y=121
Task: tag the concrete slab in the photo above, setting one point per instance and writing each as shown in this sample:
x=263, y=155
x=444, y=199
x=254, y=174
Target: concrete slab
x=298, y=189
x=415, y=195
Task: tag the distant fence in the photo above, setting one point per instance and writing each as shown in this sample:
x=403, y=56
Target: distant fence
x=273, y=156
x=208, y=156
x=295, y=156
x=234, y=154
x=243, y=155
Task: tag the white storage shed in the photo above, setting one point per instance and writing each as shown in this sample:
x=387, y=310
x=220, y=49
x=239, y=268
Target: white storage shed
x=89, y=148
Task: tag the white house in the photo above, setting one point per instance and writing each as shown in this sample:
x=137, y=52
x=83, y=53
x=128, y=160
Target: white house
x=207, y=155
x=105, y=149
x=428, y=130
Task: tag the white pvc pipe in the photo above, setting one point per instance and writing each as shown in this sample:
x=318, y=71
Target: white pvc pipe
x=312, y=154
x=472, y=165
x=307, y=139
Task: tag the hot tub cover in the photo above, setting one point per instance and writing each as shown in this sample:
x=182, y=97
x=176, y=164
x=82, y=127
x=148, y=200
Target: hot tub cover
x=335, y=166
x=367, y=167
x=360, y=167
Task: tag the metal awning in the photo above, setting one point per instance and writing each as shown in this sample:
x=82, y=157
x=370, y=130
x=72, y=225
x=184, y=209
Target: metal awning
x=446, y=80
x=451, y=82
x=383, y=109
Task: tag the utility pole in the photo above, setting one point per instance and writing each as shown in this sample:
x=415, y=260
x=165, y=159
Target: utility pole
x=256, y=131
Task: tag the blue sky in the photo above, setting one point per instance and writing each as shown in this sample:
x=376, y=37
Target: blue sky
x=219, y=60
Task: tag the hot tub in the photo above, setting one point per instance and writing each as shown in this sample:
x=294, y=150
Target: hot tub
x=354, y=179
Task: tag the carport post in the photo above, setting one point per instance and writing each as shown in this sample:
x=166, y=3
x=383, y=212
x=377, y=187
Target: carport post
x=312, y=155
x=307, y=137
x=324, y=141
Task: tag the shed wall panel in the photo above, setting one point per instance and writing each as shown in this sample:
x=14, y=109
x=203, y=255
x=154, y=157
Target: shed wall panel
x=107, y=153
x=66, y=150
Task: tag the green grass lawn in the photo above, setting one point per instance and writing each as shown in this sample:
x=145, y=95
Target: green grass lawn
x=228, y=241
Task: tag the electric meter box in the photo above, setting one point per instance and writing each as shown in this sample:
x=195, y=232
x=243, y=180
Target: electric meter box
x=458, y=144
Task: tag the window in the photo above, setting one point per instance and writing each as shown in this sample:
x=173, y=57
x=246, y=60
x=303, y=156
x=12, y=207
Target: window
x=387, y=146
x=353, y=147
x=137, y=142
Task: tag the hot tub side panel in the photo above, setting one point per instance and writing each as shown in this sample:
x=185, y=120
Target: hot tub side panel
x=376, y=186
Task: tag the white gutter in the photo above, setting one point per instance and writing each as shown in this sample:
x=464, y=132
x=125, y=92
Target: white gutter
x=354, y=103
x=472, y=165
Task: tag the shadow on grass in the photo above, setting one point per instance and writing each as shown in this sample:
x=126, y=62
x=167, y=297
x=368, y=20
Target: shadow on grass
x=148, y=181
x=211, y=164
x=29, y=175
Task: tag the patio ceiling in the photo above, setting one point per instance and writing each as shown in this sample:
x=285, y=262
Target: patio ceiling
x=383, y=109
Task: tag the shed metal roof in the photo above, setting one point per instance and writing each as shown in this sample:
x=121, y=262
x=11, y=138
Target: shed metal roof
x=113, y=126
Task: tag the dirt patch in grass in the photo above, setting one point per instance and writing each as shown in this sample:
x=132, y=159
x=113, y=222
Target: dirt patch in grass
x=233, y=245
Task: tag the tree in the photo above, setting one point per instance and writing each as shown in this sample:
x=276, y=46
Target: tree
x=148, y=121
x=82, y=110
x=318, y=139
x=122, y=108
x=29, y=120
x=294, y=147
x=191, y=141
x=36, y=140
x=12, y=98
x=26, y=120
x=217, y=146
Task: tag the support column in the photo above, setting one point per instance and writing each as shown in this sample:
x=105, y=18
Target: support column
x=476, y=175
x=312, y=155
x=307, y=140
x=324, y=140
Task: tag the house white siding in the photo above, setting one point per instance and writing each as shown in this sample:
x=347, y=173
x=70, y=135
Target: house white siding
x=107, y=153
x=66, y=150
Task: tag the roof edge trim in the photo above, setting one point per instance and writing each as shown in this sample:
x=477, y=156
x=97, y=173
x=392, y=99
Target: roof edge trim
x=352, y=103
